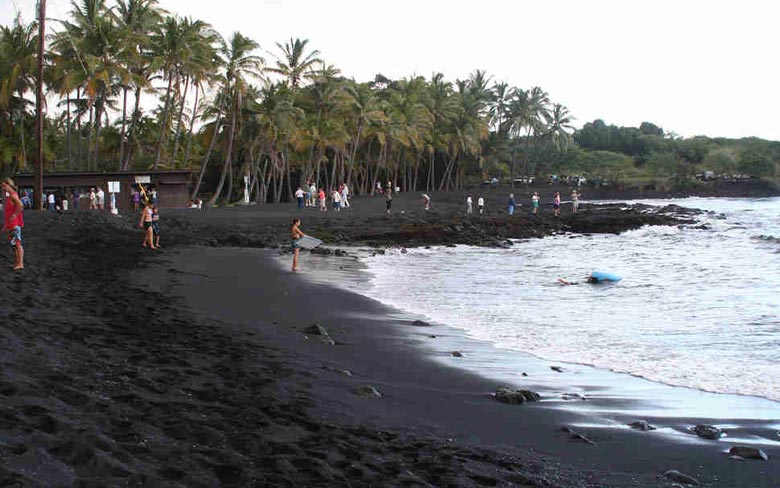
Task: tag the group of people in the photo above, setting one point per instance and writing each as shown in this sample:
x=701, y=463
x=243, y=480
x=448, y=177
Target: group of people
x=317, y=198
x=535, y=199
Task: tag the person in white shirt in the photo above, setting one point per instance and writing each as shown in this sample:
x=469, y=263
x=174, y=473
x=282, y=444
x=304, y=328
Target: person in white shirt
x=481, y=204
x=101, y=199
x=345, y=196
x=92, y=199
x=313, y=195
x=336, y=200
x=469, y=203
x=52, y=202
x=299, y=197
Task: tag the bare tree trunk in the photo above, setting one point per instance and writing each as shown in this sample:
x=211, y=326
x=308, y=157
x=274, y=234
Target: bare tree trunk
x=178, y=123
x=208, y=155
x=68, y=133
x=98, y=114
x=131, y=136
x=192, y=126
x=164, y=121
x=228, y=156
x=124, y=128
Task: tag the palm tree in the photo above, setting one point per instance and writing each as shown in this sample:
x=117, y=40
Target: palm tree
x=294, y=62
x=18, y=58
x=239, y=64
x=559, y=128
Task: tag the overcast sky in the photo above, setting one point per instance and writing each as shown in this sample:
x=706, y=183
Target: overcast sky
x=691, y=66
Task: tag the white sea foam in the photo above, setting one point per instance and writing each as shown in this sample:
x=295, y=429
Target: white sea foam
x=697, y=308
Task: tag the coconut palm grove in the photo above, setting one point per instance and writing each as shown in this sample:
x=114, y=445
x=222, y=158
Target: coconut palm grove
x=132, y=87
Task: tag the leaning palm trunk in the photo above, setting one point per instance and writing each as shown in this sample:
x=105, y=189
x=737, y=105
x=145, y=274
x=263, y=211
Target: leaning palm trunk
x=98, y=115
x=228, y=157
x=163, y=122
x=124, y=128
x=192, y=127
x=178, y=122
x=131, y=134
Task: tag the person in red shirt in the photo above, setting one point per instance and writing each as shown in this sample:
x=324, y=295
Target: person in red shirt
x=13, y=220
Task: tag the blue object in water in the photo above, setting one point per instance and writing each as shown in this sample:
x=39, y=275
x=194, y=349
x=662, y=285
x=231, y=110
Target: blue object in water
x=604, y=276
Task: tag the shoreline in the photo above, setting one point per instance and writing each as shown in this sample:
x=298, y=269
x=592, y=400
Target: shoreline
x=191, y=367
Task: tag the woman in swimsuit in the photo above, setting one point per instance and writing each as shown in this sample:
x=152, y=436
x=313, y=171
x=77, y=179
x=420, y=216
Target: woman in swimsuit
x=146, y=223
x=295, y=235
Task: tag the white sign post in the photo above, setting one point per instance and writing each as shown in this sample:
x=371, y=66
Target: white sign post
x=113, y=189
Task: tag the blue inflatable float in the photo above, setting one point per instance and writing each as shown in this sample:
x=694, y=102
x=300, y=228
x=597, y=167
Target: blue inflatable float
x=603, y=276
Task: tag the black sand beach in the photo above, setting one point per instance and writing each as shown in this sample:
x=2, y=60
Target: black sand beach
x=192, y=366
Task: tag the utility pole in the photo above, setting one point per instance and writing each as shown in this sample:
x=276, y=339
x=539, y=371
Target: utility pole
x=39, y=101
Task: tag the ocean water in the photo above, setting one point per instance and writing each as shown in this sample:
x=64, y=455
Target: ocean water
x=697, y=307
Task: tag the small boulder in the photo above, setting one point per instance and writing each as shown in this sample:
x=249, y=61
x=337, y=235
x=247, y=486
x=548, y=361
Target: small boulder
x=576, y=435
x=420, y=323
x=367, y=391
x=642, y=425
x=679, y=477
x=504, y=394
x=749, y=453
x=457, y=354
x=316, y=329
x=707, y=431
x=557, y=369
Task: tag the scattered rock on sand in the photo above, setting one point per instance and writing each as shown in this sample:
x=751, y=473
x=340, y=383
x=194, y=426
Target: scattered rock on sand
x=749, y=453
x=420, y=323
x=679, y=477
x=367, y=391
x=573, y=396
x=642, y=425
x=557, y=369
x=505, y=394
x=457, y=354
x=577, y=436
x=707, y=431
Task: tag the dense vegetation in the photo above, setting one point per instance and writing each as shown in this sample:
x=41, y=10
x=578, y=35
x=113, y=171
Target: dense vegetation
x=224, y=111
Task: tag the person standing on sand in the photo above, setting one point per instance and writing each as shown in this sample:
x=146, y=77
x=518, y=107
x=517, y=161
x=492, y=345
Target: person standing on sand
x=313, y=194
x=575, y=201
x=469, y=205
x=156, y=226
x=321, y=198
x=336, y=196
x=345, y=196
x=557, y=203
x=146, y=224
x=101, y=199
x=511, y=209
x=388, y=198
x=481, y=204
x=295, y=235
x=92, y=199
x=299, y=198
x=535, y=202
x=13, y=220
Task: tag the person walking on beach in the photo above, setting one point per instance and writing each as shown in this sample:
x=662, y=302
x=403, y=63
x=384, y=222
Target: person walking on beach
x=426, y=201
x=557, y=204
x=92, y=199
x=481, y=204
x=345, y=196
x=388, y=198
x=146, y=224
x=575, y=201
x=312, y=194
x=535, y=202
x=336, y=196
x=321, y=198
x=52, y=202
x=101, y=199
x=299, y=198
x=511, y=209
x=295, y=235
x=378, y=187
x=13, y=220
x=469, y=205
x=156, y=226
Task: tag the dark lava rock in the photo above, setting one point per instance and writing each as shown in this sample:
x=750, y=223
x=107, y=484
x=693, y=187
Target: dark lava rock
x=642, y=425
x=749, y=453
x=707, y=431
x=557, y=369
x=367, y=391
x=321, y=251
x=316, y=329
x=420, y=323
x=679, y=477
x=576, y=435
x=573, y=396
x=457, y=354
x=504, y=394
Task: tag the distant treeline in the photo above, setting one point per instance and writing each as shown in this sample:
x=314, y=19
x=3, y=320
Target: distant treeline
x=222, y=110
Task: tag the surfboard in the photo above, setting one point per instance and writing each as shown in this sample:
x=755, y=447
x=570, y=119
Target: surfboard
x=308, y=242
x=605, y=276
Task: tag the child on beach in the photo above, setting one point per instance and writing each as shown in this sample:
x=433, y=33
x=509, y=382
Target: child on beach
x=295, y=235
x=511, y=209
x=469, y=205
x=321, y=198
x=575, y=201
x=426, y=201
x=535, y=202
x=13, y=220
x=481, y=204
x=388, y=198
x=557, y=203
x=146, y=224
